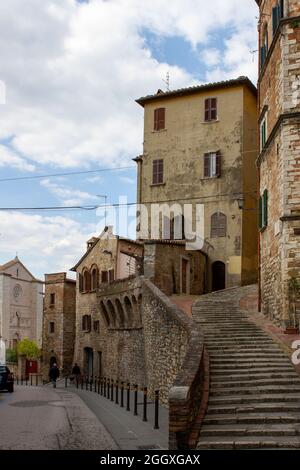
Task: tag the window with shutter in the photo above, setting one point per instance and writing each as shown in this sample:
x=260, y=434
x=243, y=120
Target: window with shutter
x=159, y=119
x=263, y=133
x=80, y=282
x=260, y=221
x=104, y=276
x=275, y=18
x=218, y=225
x=210, y=109
x=212, y=164
x=158, y=172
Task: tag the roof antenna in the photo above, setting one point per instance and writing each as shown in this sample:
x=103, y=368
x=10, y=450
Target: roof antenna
x=167, y=81
x=253, y=53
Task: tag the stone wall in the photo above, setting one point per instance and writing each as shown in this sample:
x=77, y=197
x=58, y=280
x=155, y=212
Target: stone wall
x=60, y=343
x=162, y=264
x=279, y=162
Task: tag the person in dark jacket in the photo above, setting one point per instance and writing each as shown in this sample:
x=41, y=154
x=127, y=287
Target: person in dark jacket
x=53, y=374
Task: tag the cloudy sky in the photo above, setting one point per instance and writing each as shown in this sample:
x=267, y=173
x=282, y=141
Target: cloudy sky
x=71, y=71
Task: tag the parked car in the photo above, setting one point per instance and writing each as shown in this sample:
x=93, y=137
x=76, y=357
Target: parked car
x=6, y=379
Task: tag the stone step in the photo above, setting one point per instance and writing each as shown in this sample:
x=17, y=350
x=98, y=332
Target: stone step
x=255, y=390
x=253, y=400
x=253, y=418
x=245, y=355
x=243, y=347
x=251, y=430
x=246, y=370
x=279, y=407
x=249, y=443
x=257, y=376
x=216, y=385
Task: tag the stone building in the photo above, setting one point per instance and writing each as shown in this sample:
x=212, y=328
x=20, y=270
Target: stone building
x=279, y=158
x=200, y=147
x=108, y=259
x=110, y=302
x=59, y=322
x=21, y=304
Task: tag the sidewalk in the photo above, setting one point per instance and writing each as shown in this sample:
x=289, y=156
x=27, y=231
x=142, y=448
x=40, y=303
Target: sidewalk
x=127, y=430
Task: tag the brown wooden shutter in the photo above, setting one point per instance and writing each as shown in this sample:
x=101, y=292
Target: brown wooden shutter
x=213, y=109
x=206, y=165
x=207, y=110
x=158, y=172
x=218, y=163
x=156, y=116
x=161, y=118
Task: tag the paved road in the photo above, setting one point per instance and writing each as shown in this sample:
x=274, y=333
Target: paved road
x=44, y=418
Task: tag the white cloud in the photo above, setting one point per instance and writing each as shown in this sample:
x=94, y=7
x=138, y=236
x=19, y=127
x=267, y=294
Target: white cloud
x=128, y=180
x=73, y=70
x=211, y=57
x=8, y=158
x=45, y=244
x=68, y=196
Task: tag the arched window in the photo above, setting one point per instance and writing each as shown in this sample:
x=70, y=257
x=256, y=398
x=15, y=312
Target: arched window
x=264, y=44
x=95, y=277
x=86, y=323
x=80, y=280
x=86, y=281
x=218, y=225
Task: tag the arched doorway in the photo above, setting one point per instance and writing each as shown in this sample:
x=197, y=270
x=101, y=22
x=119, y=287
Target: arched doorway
x=218, y=276
x=88, y=361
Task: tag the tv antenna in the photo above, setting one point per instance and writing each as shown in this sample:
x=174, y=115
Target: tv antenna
x=167, y=81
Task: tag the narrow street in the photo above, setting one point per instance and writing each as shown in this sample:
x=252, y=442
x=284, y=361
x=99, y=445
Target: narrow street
x=46, y=419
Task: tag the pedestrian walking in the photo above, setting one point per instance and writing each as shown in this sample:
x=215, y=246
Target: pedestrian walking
x=53, y=374
x=75, y=373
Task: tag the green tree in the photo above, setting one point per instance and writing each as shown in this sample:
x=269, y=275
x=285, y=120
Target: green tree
x=29, y=348
x=12, y=355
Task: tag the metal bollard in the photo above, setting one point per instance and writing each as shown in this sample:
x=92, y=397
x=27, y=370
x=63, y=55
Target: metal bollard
x=66, y=381
x=99, y=381
x=108, y=389
x=112, y=391
x=117, y=392
x=21, y=380
x=81, y=383
x=122, y=394
x=135, y=400
x=87, y=383
x=36, y=380
x=156, y=409
x=104, y=387
x=17, y=380
x=145, y=405
x=101, y=386
x=31, y=380
x=128, y=397
x=91, y=384
x=26, y=380
x=95, y=386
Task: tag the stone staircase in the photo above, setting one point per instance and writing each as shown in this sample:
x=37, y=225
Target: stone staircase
x=254, y=397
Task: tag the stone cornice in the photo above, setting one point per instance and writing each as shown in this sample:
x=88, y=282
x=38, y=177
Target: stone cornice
x=287, y=218
x=280, y=120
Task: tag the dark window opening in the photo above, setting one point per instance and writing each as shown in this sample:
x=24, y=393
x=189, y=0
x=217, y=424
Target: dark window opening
x=86, y=322
x=104, y=276
x=52, y=327
x=97, y=326
x=52, y=299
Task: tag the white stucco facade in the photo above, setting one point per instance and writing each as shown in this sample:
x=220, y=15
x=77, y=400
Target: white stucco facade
x=21, y=304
